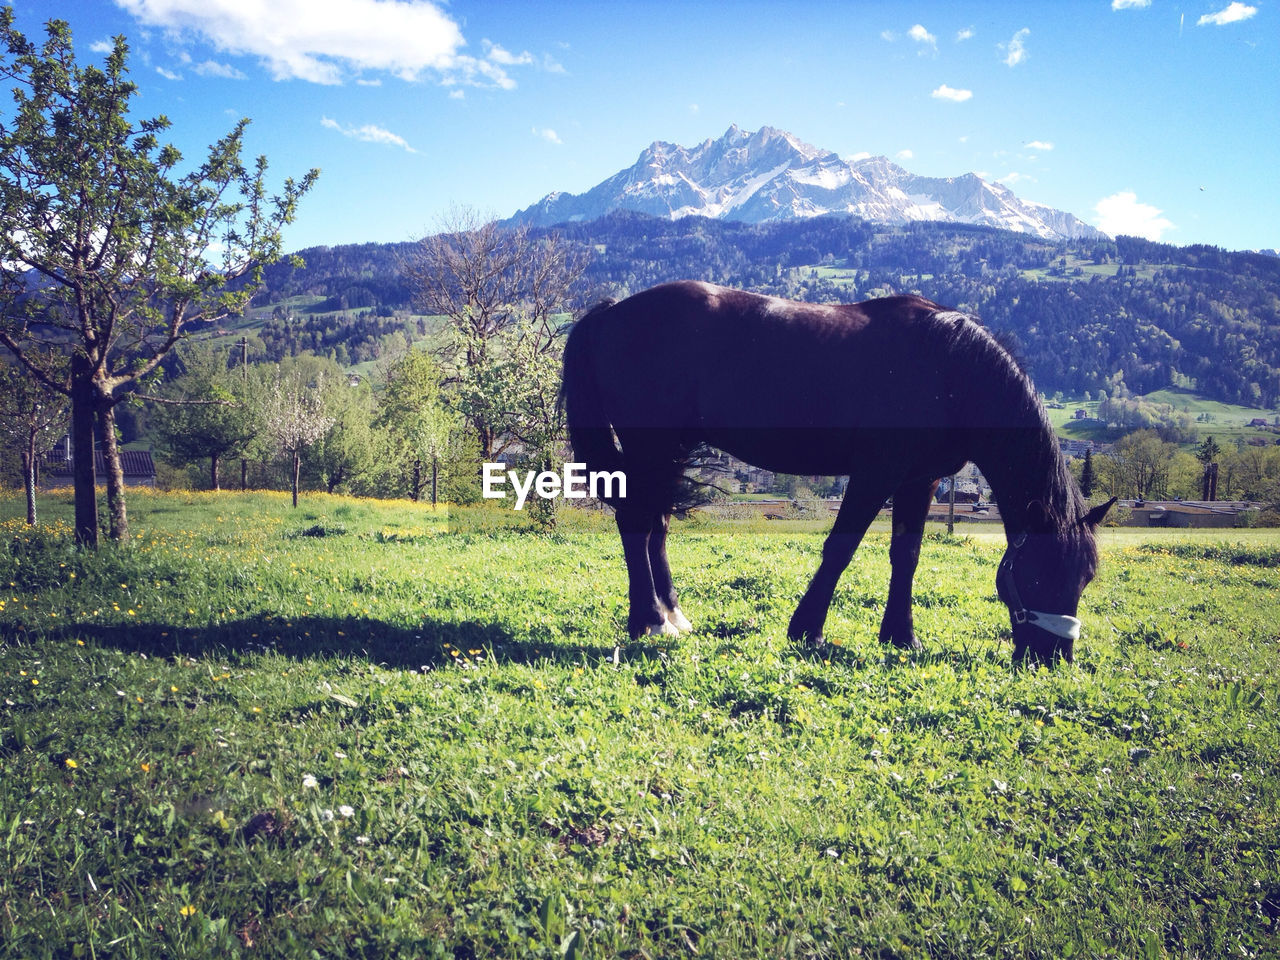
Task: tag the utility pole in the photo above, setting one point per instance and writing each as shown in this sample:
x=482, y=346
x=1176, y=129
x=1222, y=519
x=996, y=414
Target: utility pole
x=244, y=373
x=951, y=507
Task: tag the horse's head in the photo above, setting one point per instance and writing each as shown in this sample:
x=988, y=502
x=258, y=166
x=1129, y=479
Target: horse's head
x=1041, y=577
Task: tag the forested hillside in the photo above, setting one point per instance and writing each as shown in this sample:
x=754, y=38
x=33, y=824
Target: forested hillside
x=1084, y=315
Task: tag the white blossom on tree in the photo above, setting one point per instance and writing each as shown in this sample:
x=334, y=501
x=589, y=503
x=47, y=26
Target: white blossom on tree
x=295, y=419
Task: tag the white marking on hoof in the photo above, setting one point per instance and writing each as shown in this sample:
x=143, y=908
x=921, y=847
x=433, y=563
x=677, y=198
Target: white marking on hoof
x=676, y=617
x=664, y=629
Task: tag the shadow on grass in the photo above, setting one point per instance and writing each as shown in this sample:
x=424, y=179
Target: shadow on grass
x=936, y=652
x=426, y=645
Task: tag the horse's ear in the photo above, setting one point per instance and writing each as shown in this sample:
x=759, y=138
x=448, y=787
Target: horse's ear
x=1038, y=519
x=1097, y=514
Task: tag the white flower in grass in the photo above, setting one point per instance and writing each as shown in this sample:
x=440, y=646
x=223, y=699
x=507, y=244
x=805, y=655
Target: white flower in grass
x=347, y=811
x=362, y=840
x=308, y=781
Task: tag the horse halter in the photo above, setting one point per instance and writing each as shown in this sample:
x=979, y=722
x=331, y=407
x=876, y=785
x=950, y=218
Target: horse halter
x=1059, y=625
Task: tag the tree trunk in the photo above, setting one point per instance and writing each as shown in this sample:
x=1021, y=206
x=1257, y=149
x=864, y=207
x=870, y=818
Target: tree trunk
x=297, y=469
x=117, y=515
x=415, y=485
x=213, y=471
x=435, y=475
x=29, y=479
x=244, y=474
x=82, y=472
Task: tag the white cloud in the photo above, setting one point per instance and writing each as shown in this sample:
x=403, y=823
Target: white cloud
x=1123, y=213
x=920, y=35
x=1017, y=47
x=211, y=68
x=327, y=41
x=1041, y=145
x=102, y=46
x=855, y=157
x=168, y=74
x=888, y=35
x=547, y=134
x=504, y=57
x=1129, y=4
x=966, y=34
x=1233, y=12
x=904, y=155
x=369, y=133
x=1014, y=177
x=950, y=93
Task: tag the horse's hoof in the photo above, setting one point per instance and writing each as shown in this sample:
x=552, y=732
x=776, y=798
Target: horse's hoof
x=676, y=617
x=806, y=641
x=910, y=643
x=664, y=629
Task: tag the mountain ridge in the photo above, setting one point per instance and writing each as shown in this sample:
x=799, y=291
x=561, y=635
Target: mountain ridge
x=770, y=174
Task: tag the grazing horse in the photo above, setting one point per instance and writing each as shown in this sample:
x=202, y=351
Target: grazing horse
x=895, y=393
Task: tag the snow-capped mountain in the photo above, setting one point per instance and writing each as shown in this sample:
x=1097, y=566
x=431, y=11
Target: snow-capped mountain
x=772, y=175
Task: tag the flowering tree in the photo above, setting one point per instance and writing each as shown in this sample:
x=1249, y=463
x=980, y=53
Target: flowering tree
x=295, y=419
x=31, y=416
x=502, y=291
x=107, y=255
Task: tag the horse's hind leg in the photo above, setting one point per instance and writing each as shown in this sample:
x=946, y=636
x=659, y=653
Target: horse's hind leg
x=856, y=514
x=910, y=508
x=661, y=570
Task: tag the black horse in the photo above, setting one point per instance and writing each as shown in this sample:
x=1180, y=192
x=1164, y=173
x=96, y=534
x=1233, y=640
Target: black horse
x=895, y=393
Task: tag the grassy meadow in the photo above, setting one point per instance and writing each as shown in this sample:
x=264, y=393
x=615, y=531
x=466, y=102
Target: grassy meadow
x=373, y=729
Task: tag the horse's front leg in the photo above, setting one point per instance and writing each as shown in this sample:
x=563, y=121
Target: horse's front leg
x=910, y=508
x=646, y=615
x=855, y=516
x=663, y=586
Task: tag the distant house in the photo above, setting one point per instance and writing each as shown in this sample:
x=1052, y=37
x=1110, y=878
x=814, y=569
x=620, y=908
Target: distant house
x=967, y=491
x=1259, y=422
x=1076, y=448
x=1187, y=513
x=138, y=467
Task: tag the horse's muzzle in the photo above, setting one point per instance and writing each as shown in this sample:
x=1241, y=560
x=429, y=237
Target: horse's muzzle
x=1044, y=650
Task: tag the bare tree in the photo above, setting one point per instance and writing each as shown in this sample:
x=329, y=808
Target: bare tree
x=496, y=287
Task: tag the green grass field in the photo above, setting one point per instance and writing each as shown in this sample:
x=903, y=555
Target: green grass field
x=372, y=729
x=1227, y=422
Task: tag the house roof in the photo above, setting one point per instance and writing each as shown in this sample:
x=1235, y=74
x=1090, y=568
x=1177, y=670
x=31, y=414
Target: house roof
x=134, y=463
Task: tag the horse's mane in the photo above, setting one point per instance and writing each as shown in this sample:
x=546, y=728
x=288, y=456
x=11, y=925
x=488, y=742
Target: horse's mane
x=1019, y=402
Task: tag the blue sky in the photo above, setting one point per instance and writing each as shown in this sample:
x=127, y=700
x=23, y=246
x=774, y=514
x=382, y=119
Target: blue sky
x=1152, y=117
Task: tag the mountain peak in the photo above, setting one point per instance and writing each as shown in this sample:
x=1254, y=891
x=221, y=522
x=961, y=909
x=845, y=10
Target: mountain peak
x=770, y=174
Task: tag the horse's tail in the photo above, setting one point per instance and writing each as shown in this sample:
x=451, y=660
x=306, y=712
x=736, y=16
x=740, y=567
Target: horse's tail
x=590, y=431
